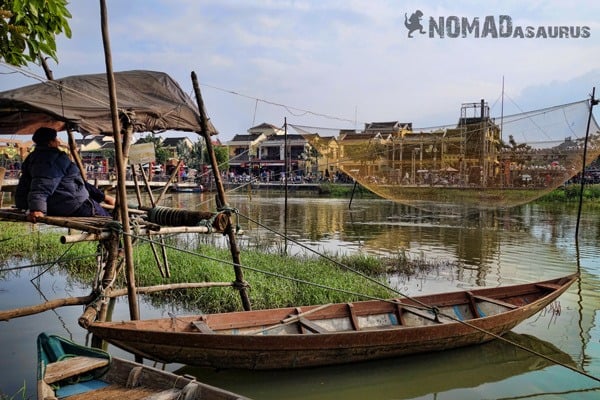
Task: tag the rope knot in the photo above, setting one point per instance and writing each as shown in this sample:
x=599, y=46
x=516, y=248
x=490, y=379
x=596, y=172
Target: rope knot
x=114, y=226
x=237, y=285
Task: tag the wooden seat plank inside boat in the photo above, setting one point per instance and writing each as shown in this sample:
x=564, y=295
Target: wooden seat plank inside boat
x=353, y=317
x=115, y=392
x=425, y=315
x=495, y=301
x=312, y=327
x=73, y=366
x=202, y=326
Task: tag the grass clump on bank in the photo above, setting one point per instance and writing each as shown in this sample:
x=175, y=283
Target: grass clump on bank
x=335, y=190
x=571, y=193
x=265, y=273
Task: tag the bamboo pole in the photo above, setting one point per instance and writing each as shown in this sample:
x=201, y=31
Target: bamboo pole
x=48, y=305
x=120, y=164
x=88, y=316
x=75, y=153
x=170, y=181
x=164, y=268
x=171, y=286
x=71, y=223
x=235, y=251
x=147, y=184
x=138, y=194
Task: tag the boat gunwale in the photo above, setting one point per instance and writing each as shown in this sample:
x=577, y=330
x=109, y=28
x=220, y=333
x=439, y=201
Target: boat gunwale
x=218, y=331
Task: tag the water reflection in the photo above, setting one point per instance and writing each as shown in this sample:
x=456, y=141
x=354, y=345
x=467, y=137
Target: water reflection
x=490, y=248
x=487, y=241
x=396, y=378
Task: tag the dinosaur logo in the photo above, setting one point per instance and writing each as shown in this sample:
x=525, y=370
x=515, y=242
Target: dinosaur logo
x=414, y=23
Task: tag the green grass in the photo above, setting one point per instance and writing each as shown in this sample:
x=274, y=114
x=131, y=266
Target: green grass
x=20, y=394
x=267, y=274
x=571, y=193
x=335, y=190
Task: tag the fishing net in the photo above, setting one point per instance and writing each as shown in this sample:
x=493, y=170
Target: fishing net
x=480, y=161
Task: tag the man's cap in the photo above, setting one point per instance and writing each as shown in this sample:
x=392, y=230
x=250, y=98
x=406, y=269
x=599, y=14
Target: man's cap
x=43, y=136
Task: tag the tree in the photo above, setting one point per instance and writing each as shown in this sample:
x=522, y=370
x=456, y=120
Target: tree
x=28, y=29
x=222, y=156
x=195, y=156
x=184, y=153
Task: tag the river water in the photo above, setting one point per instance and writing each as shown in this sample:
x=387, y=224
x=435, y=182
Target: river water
x=469, y=249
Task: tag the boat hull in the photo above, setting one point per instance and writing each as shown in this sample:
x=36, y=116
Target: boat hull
x=260, y=340
x=68, y=370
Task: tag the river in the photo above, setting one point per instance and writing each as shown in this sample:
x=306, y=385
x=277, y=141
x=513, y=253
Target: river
x=483, y=248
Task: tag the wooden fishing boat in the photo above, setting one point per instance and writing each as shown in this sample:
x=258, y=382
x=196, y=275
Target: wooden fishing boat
x=68, y=370
x=334, y=333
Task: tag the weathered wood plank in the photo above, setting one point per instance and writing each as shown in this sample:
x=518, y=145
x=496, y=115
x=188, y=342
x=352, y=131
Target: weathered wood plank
x=57, y=371
x=289, y=320
x=169, y=394
x=425, y=314
x=312, y=326
x=353, y=317
x=495, y=301
x=202, y=327
x=473, y=305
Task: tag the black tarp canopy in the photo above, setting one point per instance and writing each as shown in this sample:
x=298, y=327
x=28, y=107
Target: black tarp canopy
x=153, y=99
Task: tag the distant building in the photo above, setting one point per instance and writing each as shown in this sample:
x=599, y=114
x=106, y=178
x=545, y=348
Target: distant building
x=172, y=144
x=243, y=148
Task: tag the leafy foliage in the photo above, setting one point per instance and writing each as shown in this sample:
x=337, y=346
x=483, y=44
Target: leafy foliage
x=195, y=156
x=28, y=29
x=222, y=155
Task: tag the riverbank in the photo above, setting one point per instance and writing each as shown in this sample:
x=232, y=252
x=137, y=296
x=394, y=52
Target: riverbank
x=275, y=280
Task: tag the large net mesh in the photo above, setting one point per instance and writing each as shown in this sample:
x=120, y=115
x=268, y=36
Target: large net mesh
x=480, y=161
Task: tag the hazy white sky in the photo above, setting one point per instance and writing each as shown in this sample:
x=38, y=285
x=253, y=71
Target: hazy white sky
x=347, y=61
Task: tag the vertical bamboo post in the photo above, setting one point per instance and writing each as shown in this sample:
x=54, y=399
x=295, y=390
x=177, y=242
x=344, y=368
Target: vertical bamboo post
x=164, y=269
x=235, y=251
x=75, y=153
x=120, y=166
x=138, y=193
x=593, y=102
x=285, y=185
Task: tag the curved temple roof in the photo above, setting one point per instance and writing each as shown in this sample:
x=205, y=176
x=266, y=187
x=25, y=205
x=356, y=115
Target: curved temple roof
x=153, y=99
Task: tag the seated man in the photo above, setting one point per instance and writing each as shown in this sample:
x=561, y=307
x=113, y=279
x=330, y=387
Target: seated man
x=51, y=184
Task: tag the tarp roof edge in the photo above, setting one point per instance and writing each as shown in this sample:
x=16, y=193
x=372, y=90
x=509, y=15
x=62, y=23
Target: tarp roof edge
x=81, y=102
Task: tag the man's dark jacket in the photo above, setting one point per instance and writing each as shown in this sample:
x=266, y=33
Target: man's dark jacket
x=50, y=182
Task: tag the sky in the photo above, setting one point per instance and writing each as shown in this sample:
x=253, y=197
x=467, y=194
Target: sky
x=340, y=64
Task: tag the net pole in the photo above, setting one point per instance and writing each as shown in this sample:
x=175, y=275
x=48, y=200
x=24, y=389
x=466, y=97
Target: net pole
x=593, y=102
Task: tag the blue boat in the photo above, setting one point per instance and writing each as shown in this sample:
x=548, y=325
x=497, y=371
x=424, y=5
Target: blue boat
x=67, y=370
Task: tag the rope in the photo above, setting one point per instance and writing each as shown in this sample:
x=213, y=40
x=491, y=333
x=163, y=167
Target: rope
x=114, y=226
x=60, y=259
x=208, y=223
x=328, y=258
